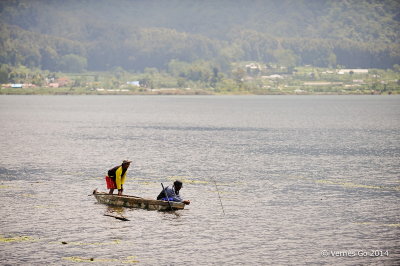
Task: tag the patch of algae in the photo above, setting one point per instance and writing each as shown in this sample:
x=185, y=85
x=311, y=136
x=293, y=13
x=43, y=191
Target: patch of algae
x=348, y=184
x=345, y=184
x=15, y=239
x=378, y=224
x=28, y=195
x=49, y=206
x=187, y=180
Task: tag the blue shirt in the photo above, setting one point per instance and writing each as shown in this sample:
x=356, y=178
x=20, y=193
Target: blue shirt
x=171, y=194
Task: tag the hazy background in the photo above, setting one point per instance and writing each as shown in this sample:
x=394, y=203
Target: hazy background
x=102, y=35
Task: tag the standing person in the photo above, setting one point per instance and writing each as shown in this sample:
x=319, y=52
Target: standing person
x=116, y=177
x=173, y=193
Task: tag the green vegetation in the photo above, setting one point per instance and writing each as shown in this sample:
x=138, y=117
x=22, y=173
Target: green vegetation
x=170, y=46
x=201, y=77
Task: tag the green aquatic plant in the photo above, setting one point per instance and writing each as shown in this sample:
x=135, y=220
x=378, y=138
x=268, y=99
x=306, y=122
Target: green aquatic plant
x=16, y=239
x=378, y=224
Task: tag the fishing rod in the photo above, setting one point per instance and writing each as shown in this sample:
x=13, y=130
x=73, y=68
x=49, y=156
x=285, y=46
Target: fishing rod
x=166, y=195
x=219, y=196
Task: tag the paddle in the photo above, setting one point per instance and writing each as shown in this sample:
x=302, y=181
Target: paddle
x=117, y=217
x=166, y=195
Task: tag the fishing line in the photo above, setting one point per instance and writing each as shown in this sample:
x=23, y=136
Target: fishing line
x=212, y=150
x=219, y=196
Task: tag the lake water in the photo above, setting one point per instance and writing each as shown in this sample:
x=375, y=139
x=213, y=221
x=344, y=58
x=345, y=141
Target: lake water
x=302, y=179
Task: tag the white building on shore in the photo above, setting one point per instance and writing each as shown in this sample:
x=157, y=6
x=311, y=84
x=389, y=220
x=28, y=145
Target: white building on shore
x=354, y=71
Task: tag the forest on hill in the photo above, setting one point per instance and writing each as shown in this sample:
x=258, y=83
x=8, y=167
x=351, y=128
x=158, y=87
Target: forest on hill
x=102, y=35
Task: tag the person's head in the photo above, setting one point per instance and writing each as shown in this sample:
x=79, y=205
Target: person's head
x=177, y=185
x=126, y=164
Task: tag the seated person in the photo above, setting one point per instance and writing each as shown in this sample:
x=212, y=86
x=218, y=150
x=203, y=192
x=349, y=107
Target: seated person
x=173, y=193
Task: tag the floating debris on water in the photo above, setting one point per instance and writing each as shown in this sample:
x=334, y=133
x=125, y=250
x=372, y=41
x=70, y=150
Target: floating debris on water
x=27, y=195
x=114, y=242
x=146, y=183
x=223, y=192
x=131, y=259
x=354, y=185
x=16, y=239
x=45, y=206
x=188, y=180
x=378, y=224
x=127, y=260
x=80, y=259
x=345, y=184
x=195, y=180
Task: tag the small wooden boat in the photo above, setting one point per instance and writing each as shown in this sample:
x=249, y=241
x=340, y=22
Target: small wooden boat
x=136, y=202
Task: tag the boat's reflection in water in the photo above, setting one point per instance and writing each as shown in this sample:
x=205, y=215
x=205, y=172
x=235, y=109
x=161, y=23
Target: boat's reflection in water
x=115, y=210
x=120, y=213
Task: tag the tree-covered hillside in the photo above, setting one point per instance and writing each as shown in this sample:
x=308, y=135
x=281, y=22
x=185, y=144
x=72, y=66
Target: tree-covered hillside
x=75, y=35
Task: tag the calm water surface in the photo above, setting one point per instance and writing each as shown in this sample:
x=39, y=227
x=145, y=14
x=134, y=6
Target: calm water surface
x=297, y=175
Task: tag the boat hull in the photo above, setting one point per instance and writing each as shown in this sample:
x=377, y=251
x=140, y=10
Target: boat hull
x=136, y=202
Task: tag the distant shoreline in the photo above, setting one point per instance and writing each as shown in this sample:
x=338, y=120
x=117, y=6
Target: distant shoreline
x=175, y=93
x=301, y=81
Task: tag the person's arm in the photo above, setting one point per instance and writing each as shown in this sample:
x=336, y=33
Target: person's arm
x=179, y=199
